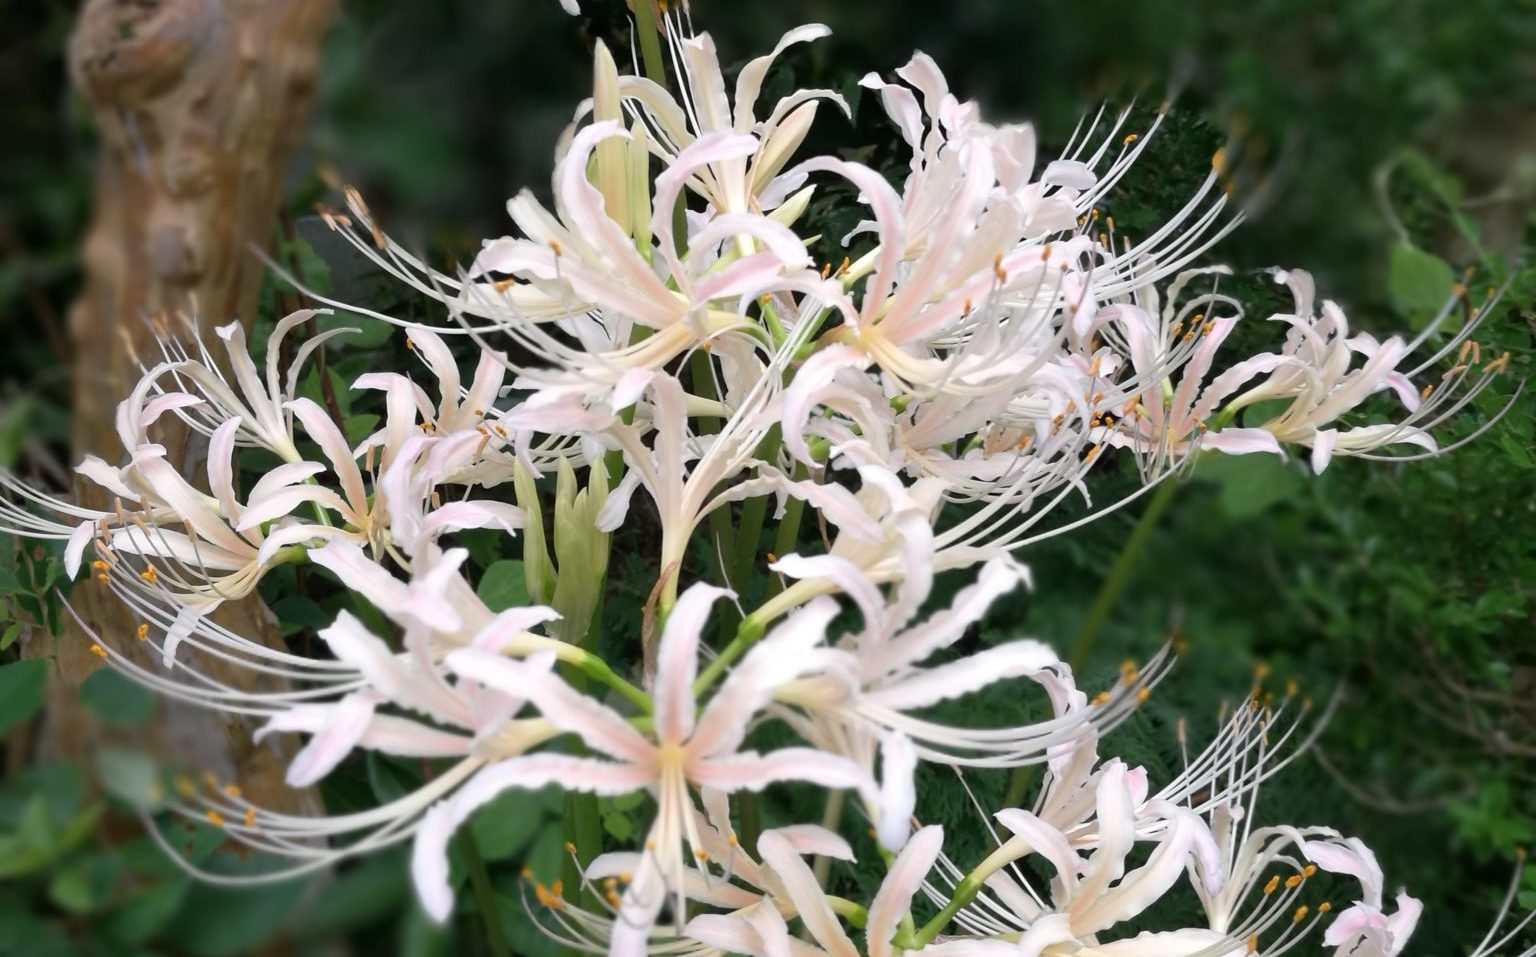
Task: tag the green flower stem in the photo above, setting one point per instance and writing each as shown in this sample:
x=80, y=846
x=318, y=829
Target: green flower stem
x=1103, y=604
x=485, y=894
x=787, y=538
x=1120, y=572
x=747, y=634
x=970, y=885
x=599, y=670
x=650, y=43
x=855, y=914
x=751, y=819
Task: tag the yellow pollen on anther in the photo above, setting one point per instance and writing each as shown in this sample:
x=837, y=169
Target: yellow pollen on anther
x=99, y=565
x=570, y=848
x=143, y=631
x=250, y=817
x=1131, y=138
x=1274, y=882
x=1253, y=943
x=150, y=575
x=701, y=855
x=1292, y=882
x=502, y=285
x=98, y=651
x=1101, y=698
x=554, y=244
x=1309, y=870
x=233, y=790
x=1300, y=915
x=215, y=818
x=1142, y=695
x=1324, y=907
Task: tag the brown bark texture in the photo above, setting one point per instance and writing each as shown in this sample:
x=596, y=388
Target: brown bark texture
x=200, y=104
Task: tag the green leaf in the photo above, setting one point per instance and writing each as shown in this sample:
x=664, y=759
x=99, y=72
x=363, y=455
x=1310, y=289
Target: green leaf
x=21, y=691
x=15, y=422
x=130, y=776
x=145, y=912
x=1250, y=484
x=503, y=585
x=12, y=632
x=229, y=921
x=1418, y=282
x=504, y=827
x=116, y=699
x=359, y=897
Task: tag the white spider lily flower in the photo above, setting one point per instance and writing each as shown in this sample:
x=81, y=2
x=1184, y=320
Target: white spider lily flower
x=733, y=184
x=1314, y=373
x=1365, y=925
x=746, y=887
x=258, y=398
x=687, y=751
x=408, y=409
x=762, y=932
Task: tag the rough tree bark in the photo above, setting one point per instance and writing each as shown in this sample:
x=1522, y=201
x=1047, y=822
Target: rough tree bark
x=199, y=105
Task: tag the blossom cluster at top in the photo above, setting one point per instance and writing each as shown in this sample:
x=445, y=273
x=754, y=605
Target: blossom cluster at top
x=924, y=404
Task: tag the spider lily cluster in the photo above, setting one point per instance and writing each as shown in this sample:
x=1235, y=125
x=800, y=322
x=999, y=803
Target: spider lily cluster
x=925, y=402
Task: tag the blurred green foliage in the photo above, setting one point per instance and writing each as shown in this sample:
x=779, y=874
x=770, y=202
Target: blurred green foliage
x=1386, y=145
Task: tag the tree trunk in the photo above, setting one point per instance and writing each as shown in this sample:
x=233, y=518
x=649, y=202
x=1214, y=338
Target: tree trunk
x=199, y=104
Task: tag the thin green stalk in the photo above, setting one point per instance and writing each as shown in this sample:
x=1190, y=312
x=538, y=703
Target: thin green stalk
x=485, y=894
x=1120, y=573
x=650, y=43
x=1103, y=605
x=787, y=539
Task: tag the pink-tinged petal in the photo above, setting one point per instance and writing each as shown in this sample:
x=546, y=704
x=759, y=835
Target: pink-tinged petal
x=1323, y=443
x=456, y=516
x=1145, y=885
x=744, y=277
x=805, y=392
x=898, y=790
x=437, y=357
x=1351, y=857
x=728, y=933
x=677, y=661
x=968, y=948
x=360, y=573
x=74, y=548
x=602, y=728
x=750, y=771
x=1173, y=943
x=534, y=771
x=289, y=473
x=1402, y=924
x=902, y=879
x=771, y=930
x=890, y=223
x=848, y=577
x=840, y=507
x=813, y=839
x=221, y=468
x=180, y=547
x=429, y=862
x=749, y=82
x=189, y=504
x=1069, y=174
x=1048, y=931
x=345, y=726
x=404, y=738
x=715, y=147
x=805, y=892
x=1241, y=441
x=187, y=618
x=783, y=246
x=616, y=507
x=1357, y=920
x=285, y=501
x=1044, y=839
x=997, y=577
x=972, y=673
x=107, y=476
x=490, y=373
x=1117, y=834
x=509, y=625
x=781, y=657
x=318, y=425
x=571, y=7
